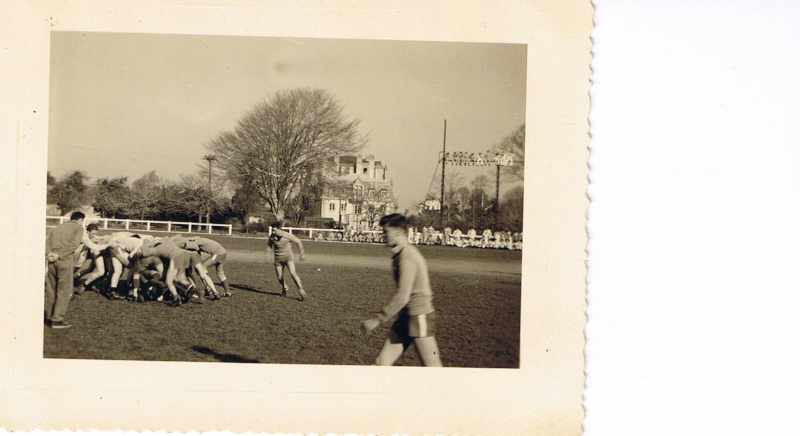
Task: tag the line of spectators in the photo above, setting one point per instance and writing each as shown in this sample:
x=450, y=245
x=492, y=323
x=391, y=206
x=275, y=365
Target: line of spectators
x=501, y=239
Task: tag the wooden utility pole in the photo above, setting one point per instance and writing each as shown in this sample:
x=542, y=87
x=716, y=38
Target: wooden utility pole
x=444, y=164
x=209, y=158
x=497, y=200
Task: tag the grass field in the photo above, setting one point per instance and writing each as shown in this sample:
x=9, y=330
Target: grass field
x=476, y=295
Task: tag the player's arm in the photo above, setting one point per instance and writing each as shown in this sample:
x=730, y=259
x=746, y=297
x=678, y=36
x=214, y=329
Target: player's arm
x=91, y=245
x=299, y=243
x=408, y=271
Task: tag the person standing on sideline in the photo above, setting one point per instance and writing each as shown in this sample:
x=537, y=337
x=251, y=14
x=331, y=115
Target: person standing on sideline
x=280, y=243
x=60, y=248
x=413, y=302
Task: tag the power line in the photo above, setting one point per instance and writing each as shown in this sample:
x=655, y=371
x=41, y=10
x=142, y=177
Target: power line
x=118, y=151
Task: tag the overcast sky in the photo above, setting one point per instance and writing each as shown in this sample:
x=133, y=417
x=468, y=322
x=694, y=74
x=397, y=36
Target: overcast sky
x=125, y=104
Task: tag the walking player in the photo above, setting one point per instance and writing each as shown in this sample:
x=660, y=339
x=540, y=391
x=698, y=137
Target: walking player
x=280, y=243
x=413, y=302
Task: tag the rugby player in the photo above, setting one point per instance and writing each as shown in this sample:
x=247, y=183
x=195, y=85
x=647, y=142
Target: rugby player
x=280, y=243
x=413, y=302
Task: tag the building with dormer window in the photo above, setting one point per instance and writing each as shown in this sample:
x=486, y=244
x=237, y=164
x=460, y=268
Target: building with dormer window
x=357, y=193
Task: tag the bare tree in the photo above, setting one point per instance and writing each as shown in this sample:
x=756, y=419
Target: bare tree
x=280, y=142
x=194, y=195
x=513, y=144
x=452, y=187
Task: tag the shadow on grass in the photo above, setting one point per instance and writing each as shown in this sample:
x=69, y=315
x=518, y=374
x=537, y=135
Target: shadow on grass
x=256, y=290
x=223, y=357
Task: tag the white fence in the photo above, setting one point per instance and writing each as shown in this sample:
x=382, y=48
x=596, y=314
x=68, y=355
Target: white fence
x=149, y=225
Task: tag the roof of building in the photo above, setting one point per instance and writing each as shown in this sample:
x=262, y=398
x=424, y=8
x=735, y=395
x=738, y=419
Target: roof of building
x=352, y=177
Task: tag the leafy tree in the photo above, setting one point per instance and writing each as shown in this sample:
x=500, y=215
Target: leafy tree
x=146, y=195
x=112, y=197
x=279, y=142
x=514, y=144
x=51, y=182
x=171, y=205
x=511, y=209
x=71, y=192
x=244, y=202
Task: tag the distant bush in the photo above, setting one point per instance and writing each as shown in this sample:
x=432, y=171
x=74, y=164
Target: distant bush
x=257, y=227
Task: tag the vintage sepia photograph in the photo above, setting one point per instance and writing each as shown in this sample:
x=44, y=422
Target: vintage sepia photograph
x=271, y=163
x=305, y=218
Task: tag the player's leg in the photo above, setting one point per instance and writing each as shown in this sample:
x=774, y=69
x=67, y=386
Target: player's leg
x=186, y=279
x=83, y=265
x=203, y=273
x=220, y=266
x=99, y=271
x=393, y=348
x=172, y=273
x=428, y=350
x=422, y=328
x=122, y=257
x=50, y=282
x=157, y=288
x=64, y=271
x=210, y=261
x=117, y=267
x=296, y=278
x=279, y=273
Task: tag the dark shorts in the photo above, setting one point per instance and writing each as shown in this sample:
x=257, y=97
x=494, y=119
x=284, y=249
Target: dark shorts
x=415, y=326
x=283, y=261
x=150, y=274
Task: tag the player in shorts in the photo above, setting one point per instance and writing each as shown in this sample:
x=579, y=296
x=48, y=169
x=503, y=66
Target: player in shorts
x=92, y=248
x=145, y=272
x=216, y=257
x=177, y=260
x=412, y=303
x=121, y=247
x=280, y=243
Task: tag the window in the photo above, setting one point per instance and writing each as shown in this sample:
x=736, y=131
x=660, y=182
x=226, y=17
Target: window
x=332, y=206
x=371, y=194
